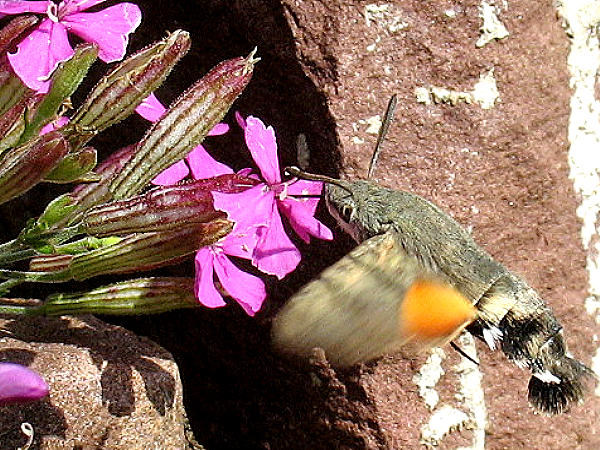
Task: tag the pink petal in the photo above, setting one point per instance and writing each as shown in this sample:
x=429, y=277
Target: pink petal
x=275, y=253
x=204, y=287
x=263, y=146
x=39, y=53
x=300, y=214
x=240, y=120
x=21, y=6
x=151, y=108
x=250, y=210
x=203, y=165
x=247, y=172
x=305, y=187
x=71, y=6
x=54, y=125
x=173, y=174
x=20, y=384
x=219, y=129
x=248, y=290
x=241, y=242
x=251, y=207
x=108, y=28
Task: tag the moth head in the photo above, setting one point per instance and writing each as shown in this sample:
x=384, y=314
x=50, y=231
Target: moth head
x=343, y=200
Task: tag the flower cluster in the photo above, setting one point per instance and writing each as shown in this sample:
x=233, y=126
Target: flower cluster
x=112, y=224
x=258, y=234
x=48, y=44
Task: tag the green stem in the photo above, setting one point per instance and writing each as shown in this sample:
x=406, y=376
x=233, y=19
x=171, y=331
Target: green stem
x=35, y=277
x=16, y=310
x=14, y=251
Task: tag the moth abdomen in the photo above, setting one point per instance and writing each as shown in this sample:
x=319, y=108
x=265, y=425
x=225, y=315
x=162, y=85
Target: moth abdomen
x=532, y=338
x=551, y=397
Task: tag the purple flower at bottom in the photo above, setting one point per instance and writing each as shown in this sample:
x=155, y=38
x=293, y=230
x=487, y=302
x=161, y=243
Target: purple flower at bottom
x=48, y=44
x=19, y=384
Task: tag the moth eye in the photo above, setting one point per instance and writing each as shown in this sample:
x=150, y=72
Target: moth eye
x=347, y=213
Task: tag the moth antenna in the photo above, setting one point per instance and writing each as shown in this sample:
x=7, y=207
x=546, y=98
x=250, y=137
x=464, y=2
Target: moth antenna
x=385, y=125
x=302, y=151
x=463, y=353
x=298, y=173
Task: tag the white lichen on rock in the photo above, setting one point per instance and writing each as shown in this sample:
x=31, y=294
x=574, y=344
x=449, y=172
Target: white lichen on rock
x=428, y=376
x=582, y=23
x=485, y=93
x=422, y=95
x=385, y=16
x=443, y=95
x=471, y=392
x=491, y=28
x=442, y=422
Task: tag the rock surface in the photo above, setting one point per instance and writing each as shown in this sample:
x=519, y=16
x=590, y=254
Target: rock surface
x=108, y=387
x=328, y=67
x=326, y=70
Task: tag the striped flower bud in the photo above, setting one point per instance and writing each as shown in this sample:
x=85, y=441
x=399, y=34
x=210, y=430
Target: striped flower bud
x=163, y=208
x=131, y=297
x=184, y=125
x=24, y=167
x=118, y=94
x=132, y=253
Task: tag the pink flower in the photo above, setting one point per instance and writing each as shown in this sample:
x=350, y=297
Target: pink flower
x=47, y=45
x=261, y=205
x=249, y=291
x=258, y=234
x=18, y=384
x=201, y=163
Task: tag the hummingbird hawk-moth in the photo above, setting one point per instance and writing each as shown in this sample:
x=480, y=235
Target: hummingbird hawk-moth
x=417, y=279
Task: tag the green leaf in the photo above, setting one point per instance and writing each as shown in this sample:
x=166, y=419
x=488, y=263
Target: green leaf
x=56, y=210
x=65, y=80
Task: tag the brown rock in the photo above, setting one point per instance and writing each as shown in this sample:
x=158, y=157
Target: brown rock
x=108, y=387
x=501, y=171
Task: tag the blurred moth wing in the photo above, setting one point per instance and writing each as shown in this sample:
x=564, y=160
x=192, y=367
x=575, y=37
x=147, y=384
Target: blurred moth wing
x=375, y=300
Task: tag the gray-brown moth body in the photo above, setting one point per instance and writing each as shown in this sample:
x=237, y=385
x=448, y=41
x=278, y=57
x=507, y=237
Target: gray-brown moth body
x=337, y=312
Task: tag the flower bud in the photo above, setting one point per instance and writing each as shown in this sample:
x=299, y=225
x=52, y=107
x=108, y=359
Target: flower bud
x=146, y=251
x=118, y=94
x=163, y=208
x=184, y=125
x=132, y=253
x=12, y=89
x=14, y=30
x=19, y=384
x=24, y=167
x=132, y=297
x=12, y=124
